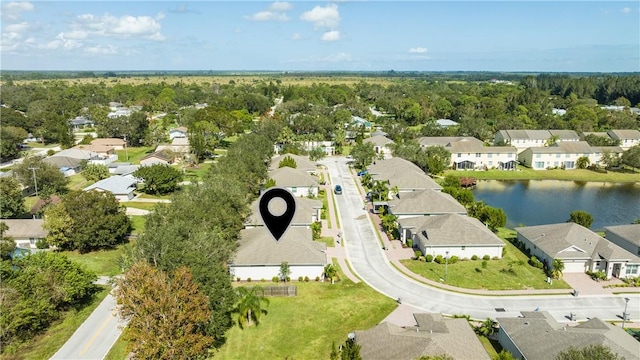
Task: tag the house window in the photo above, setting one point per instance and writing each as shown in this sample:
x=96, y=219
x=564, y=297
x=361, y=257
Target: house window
x=631, y=269
x=538, y=164
x=555, y=163
x=459, y=154
x=463, y=247
x=538, y=156
x=490, y=163
x=294, y=189
x=477, y=155
x=33, y=241
x=510, y=155
x=569, y=164
x=567, y=155
x=489, y=155
x=557, y=155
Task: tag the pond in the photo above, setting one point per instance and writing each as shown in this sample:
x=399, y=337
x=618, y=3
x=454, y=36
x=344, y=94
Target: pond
x=537, y=202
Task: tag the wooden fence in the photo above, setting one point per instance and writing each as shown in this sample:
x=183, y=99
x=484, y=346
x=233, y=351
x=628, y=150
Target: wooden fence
x=287, y=290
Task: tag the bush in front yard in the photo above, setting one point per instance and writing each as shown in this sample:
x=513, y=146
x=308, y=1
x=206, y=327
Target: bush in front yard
x=474, y=257
x=429, y=258
x=439, y=259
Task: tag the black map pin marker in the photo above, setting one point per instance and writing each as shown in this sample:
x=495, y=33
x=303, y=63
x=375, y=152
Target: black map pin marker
x=277, y=224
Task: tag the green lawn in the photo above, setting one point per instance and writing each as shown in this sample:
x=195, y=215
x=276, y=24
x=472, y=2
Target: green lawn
x=496, y=276
x=138, y=222
x=525, y=173
x=328, y=240
x=78, y=182
x=102, y=262
x=43, y=346
x=141, y=205
x=135, y=154
x=197, y=172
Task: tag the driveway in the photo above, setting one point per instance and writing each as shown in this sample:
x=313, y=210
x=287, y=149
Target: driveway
x=370, y=263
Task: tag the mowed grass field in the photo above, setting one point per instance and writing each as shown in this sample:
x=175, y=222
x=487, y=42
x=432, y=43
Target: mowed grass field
x=525, y=173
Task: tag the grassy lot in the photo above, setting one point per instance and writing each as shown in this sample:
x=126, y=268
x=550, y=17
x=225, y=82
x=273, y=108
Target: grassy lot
x=138, y=222
x=149, y=196
x=328, y=240
x=196, y=173
x=525, y=173
x=118, y=351
x=135, y=154
x=496, y=276
x=324, y=213
x=102, y=262
x=43, y=346
x=141, y=205
x=78, y=182
x=492, y=347
x=303, y=327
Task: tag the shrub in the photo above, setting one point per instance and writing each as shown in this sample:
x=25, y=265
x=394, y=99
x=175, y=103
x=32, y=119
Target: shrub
x=262, y=280
x=453, y=259
x=417, y=253
x=42, y=244
x=275, y=279
x=248, y=279
x=597, y=275
x=306, y=279
x=474, y=257
x=484, y=264
x=317, y=278
x=300, y=278
x=238, y=279
x=533, y=261
x=429, y=258
x=288, y=279
x=504, y=251
x=409, y=243
x=486, y=257
x=478, y=270
x=439, y=259
x=495, y=258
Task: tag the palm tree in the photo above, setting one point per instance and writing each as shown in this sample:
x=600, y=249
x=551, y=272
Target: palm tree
x=558, y=267
x=486, y=328
x=382, y=190
x=330, y=272
x=249, y=307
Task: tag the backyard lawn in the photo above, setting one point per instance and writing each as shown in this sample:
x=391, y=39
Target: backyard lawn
x=102, y=262
x=135, y=154
x=512, y=272
x=78, y=182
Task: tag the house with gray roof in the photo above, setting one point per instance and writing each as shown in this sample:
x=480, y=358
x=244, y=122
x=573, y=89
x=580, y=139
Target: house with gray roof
x=561, y=155
x=80, y=122
x=307, y=212
x=402, y=173
x=381, y=145
x=179, y=132
x=121, y=187
x=524, y=139
x=298, y=182
x=25, y=232
x=445, y=123
x=579, y=248
x=259, y=255
x=627, y=137
x=423, y=203
x=70, y=161
x=445, y=141
x=432, y=336
x=162, y=157
x=473, y=155
x=449, y=235
x=302, y=163
x=538, y=336
x=625, y=236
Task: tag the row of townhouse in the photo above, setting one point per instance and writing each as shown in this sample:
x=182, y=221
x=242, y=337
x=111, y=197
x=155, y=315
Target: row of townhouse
x=525, y=139
x=565, y=155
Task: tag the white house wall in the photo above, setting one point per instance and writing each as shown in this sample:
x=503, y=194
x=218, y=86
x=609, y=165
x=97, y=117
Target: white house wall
x=302, y=191
x=488, y=159
x=542, y=161
x=257, y=273
x=461, y=251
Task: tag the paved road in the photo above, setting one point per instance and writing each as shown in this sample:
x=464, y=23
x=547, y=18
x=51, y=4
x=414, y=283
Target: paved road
x=370, y=263
x=95, y=337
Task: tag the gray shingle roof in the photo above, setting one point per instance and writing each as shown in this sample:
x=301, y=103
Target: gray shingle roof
x=542, y=338
x=116, y=185
x=570, y=240
x=403, y=174
x=286, y=177
x=630, y=232
x=378, y=140
x=434, y=335
x=445, y=140
x=624, y=134
x=25, y=228
x=302, y=162
x=258, y=247
x=425, y=202
x=305, y=209
x=455, y=229
x=475, y=147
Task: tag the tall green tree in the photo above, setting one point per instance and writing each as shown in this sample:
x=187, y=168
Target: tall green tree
x=87, y=221
x=167, y=314
x=363, y=154
x=249, y=306
x=11, y=201
x=631, y=157
x=581, y=217
x=589, y=352
x=12, y=138
x=159, y=179
x=558, y=267
x=48, y=178
x=7, y=243
x=95, y=172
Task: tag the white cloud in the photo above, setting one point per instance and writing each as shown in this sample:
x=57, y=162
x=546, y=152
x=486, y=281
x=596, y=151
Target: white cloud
x=17, y=27
x=323, y=17
x=276, y=12
x=60, y=43
x=418, y=50
x=75, y=34
x=626, y=10
x=296, y=36
x=101, y=50
x=280, y=6
x=124, y=26
x=13, y=10
x=268, y=16
x=333, y=35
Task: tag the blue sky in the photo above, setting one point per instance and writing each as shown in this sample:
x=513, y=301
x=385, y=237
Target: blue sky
x=566, y=36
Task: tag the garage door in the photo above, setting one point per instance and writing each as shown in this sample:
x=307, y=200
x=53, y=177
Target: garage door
x=574, y=266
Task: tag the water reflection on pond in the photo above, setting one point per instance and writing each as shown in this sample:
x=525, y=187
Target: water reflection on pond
x=536, y=202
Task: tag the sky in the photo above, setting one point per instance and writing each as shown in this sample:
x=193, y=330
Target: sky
x=531, y=36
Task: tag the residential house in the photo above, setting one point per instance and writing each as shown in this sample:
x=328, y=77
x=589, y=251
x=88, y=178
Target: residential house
x=381, y=144
x=473, y=155
x=403, y=174
x=633, y=110
x=628, y=138
x=326, y=146
x=560, y=112
x=121, y=187
x=180, y=146
x=423, y=203
x=101, y=150
x=123, y=169
x=579, y=248
x=25, y=232
x=116, y=143
x=307, y=212
x=179, y=132
x=259, y=255
x=302, y=163
x=445, y=141
x=524, y=139
x=164, y=157
x=298, y=182
x=120, y=111
x=625, y=236
x=41, y=204
x=357, y=121
x=536, y=335
x=445, y=123
x=433, y=335
x=451, y=235
x=70, y=161
x=561, y=155
x=80, y=122
x=595, y=157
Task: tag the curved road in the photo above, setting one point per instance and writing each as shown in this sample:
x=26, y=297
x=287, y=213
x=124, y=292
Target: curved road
x=370, y=263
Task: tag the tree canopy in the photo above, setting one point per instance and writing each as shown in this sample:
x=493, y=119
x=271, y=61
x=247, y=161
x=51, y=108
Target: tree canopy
x=159, y=179
x=48, y=178
x=11, y=203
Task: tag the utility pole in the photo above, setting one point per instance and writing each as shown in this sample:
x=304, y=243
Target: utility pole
x=33, y=171
x=126, y=152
